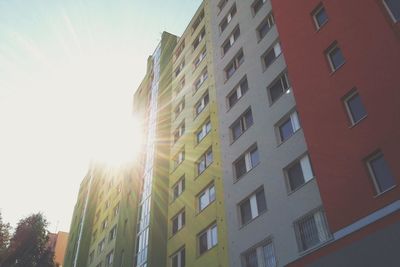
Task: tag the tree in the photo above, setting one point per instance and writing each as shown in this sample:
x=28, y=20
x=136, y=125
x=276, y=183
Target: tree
x=4, y=237
x=28, y=246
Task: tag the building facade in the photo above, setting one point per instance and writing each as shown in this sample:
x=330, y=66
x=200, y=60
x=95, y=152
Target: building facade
x=58, y=244
x=271, y=140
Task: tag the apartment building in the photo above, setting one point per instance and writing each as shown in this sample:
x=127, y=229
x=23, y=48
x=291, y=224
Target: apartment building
x=104, y=219
x=271, y=139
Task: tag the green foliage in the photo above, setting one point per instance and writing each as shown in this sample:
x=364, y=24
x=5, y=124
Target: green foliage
x=4, y=237
x=29, y=245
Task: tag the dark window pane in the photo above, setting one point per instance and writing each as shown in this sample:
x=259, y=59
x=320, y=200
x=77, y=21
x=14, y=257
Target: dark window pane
x=257, y=5
x=203, y=243
x=183, y=258
x=244, y=86
x=175, y=225
x=245, y=211
x=276, y=90
x=263, y=29
x=356, y=108
x=261, y=203
x=175, y=261
x=233, y=99
x=382, y=173
x=251, y=259
x=296, y=177
x=286, y=130
x=254, y=157
x=240, y=168
x=308, y=233
x=249, y=119
x=394, y=6
x=321, y=17
x=269, y=58
x=336, y=57
x=236, y=130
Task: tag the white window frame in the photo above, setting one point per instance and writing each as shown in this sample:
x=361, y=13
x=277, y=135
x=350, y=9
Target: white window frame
x=318, y=215
x=210, y=198
x=314, y=14
x=110, y=258
x=346, y=100
x=390, y=12
x=328, y=52
x=277, y=49
x=260, y=253
x=202, y=55
x=227, y=18
x=205, y=129
x=207, y=159
x=180, y=217
x=178, y=254
x=212, y=237
x=254, y=209
x=293, y=117
x=247, y=159
x=232, y=38
x=371, y=158
x=200, y=80
x=238, y=91
x=179, y=185
x=268, y=20
x=201, y=104
x=306, y=168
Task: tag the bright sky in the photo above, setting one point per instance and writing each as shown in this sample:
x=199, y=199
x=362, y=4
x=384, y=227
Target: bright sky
x=68, y=70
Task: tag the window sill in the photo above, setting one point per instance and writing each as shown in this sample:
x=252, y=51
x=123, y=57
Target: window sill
x=243, y=175
x=198, y=175
x=200, y=211
x=333, y=71
x=387, y=190
x=301, y=186
x=293, y=134
x=247, y=223
x=354, y=124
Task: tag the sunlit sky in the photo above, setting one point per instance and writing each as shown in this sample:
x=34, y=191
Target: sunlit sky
x=68, y=71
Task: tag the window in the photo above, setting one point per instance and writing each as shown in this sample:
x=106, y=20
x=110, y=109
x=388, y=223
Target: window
x=237, y=92
x=91, y=257
x=179, y=187
x=335, y=56
x=179, y=49
x=179, y=132
x=288, y=126
x=200, y=58
x=198, y=21
x=199, y=38
x=257, y=5
x=205, y=160
x=179, y=68
x=179, y=157
x=265, y=26
x=225, y=21
x=104, y=224
x=116, y=210
x=246, y=162
x=199, y=81
x=208, y=239
x=242, y=124
x=101, y=246
x=178, y=259
x=311, y=230
x=272, y=53
x=234, y=64
x=393, y=7
x=178, y=222
x=230, y=40
x=299, y=172
x=206, y=197
x=110, y=259
x=112, y=233
x=201, y=104
x=262, y=255
x=252, y=206
x=380, y=173
x=355, y=107
x=179, y=108
x=278, y=87
x=221, y=4
x=204, y=130
x=320, y=17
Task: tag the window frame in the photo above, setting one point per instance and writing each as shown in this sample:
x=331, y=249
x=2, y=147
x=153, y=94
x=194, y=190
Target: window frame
x=201, y=102
x=269, y=50
x=306, y=179
x=180, y=216
x=353, y=93
x=302, y=219
x=266, y=21
x=374, y=156
x=205, y=191
x=231, y=40
x=208, y=231
x=204, y=158
x=315, y=13
x=246, y=156
x=178, y=253
x=288, y=117
x=243, y=124
x=203, y=129
x=258, y=249
x=255, y=208
x=200, y=80
x=180, y=185
x=328, y=55
x=255, y=2
x=283, y=75
x=392, y=16
x=234, y=91
x=231, y=13
x=234, y=63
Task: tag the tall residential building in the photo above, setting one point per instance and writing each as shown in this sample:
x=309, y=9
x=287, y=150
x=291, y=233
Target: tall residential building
x=104, y=219
x=271, y=138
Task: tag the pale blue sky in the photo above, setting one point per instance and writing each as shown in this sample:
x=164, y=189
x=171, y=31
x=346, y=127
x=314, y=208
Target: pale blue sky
x=68, y=69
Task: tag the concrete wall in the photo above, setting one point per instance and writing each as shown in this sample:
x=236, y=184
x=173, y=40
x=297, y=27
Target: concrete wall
x=282, y=208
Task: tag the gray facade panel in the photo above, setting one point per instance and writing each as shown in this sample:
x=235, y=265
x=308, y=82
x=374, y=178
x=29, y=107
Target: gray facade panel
x=283, y=208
